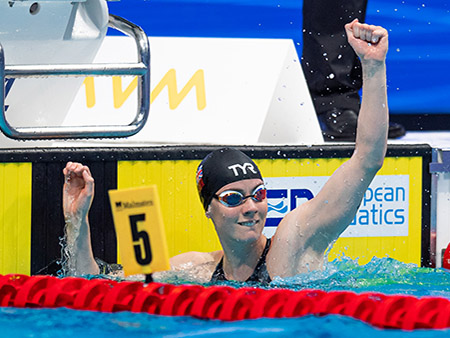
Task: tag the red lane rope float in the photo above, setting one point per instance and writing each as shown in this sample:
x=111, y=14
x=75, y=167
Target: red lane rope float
x=222, y=302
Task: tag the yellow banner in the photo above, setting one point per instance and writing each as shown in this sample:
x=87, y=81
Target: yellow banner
x=189, y=230
x=140, y=230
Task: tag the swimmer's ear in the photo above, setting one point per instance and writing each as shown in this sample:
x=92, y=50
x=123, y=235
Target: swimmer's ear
x=208, y=213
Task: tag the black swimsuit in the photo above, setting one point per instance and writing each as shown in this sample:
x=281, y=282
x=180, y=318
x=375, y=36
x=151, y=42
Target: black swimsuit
x=260, y=274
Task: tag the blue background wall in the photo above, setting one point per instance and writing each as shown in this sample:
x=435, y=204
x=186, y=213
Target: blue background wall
x=418, y=59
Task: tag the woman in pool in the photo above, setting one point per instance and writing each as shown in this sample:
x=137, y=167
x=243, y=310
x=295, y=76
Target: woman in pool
x=232, y=192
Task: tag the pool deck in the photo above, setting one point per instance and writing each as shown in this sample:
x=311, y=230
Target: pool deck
x=436, y=139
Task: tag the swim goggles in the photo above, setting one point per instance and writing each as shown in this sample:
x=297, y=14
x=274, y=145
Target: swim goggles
x=233, y=198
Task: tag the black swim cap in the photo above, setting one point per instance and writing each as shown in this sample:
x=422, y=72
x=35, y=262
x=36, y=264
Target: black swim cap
x=220, y=168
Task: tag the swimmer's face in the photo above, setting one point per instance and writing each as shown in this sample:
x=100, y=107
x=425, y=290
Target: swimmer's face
x=244, y=222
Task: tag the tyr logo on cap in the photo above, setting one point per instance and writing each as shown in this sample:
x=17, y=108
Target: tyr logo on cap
x=243, y=167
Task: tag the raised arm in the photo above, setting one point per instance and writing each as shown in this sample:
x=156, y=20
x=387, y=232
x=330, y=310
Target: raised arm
x=78, y=193
x=307, y=231
x=371, y=44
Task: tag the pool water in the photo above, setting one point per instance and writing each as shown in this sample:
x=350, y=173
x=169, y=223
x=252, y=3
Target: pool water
x=72, y=323
x=384, y=275
x=380, y=275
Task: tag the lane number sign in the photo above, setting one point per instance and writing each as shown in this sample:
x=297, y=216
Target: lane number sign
x=140, y=230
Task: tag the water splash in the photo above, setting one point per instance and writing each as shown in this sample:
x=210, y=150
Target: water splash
x=68, y=249
x=68, y=242
x=385, y=275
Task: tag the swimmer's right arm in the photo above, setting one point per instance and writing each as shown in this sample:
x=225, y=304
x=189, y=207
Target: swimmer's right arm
x=78, y=193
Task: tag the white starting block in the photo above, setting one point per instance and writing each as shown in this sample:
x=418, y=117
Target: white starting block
x=207, y=91
x=48, y=32
x=59, y=39
x=203, y=90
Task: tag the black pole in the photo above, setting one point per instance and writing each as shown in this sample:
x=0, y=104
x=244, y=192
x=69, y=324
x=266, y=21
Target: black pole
x=148, y=278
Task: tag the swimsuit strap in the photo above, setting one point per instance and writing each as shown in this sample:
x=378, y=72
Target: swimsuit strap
x=260, y=273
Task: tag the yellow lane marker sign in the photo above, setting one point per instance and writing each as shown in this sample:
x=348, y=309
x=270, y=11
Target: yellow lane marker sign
x=140, y=230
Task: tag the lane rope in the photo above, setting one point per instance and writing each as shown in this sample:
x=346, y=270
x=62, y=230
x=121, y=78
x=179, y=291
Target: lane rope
x=222, y=302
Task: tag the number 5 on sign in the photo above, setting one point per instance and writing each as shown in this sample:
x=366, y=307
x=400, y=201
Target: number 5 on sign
x=140, y=230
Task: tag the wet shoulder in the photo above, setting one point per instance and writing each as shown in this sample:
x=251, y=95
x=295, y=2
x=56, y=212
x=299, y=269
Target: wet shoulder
x=195, y=258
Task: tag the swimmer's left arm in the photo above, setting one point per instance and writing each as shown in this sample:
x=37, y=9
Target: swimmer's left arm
x=340, y=198
x=310, y=228
x=335, y=206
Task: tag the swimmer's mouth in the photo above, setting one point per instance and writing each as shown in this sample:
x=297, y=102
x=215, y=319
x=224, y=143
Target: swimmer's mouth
x=248, y=223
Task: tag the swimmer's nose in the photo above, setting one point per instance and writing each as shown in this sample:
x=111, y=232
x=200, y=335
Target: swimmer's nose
x=249, y=206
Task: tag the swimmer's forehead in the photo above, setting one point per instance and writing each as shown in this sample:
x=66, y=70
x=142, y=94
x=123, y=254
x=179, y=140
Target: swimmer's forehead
x=244, y=186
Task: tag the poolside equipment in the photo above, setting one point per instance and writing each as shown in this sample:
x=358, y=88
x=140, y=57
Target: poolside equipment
x=140, y=230
x=31, y=211
x=222, y=302
x=30, y=47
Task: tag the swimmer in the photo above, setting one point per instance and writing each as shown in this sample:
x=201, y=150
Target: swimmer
x=233, y=195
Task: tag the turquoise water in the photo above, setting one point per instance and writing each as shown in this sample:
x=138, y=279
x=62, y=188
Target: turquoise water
x=380, y=275
x=384, y=275
x=71, y=323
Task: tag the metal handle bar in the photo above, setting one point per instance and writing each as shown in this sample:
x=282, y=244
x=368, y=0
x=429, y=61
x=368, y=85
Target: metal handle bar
x=141, y=69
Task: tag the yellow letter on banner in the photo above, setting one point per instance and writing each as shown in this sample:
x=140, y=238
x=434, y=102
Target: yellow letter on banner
x=119, y=95
x=90, y=91
x=175, y=97
x=140, y=230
